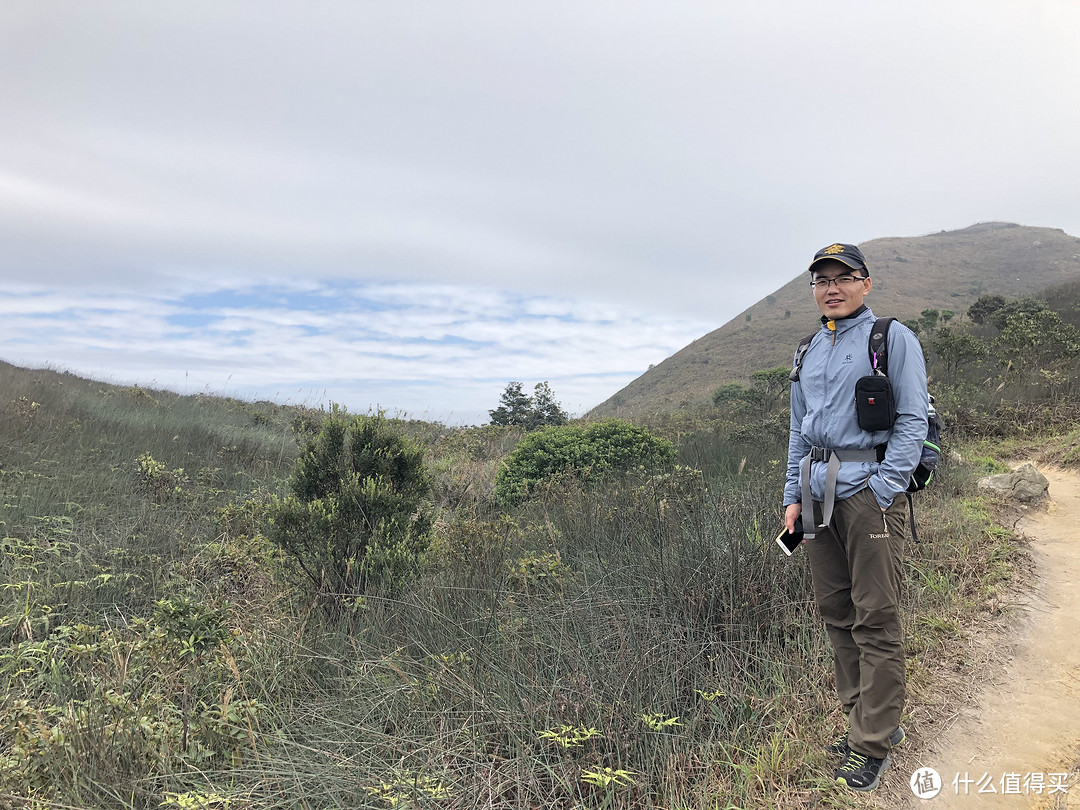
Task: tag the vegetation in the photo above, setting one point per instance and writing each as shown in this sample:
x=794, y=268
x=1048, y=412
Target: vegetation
x=767, y=391
x=518, y=409
x=556, y=628
x=584, y=453
x=356, y=521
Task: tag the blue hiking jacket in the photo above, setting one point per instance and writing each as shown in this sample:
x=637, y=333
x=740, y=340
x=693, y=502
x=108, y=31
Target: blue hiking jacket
x=823, y=411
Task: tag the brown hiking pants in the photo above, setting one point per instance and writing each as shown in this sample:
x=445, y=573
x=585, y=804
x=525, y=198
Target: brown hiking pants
x=857, y=568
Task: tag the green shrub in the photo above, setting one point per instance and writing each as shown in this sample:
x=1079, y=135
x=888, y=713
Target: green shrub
x=195, y=628
x=357, y=519
x=732, y=393
x=537, y=573
x=90, y=706
x=156, y=481
x=586, y=453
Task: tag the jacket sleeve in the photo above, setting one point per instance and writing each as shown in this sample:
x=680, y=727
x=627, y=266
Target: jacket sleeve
x=798, y=446
x=907, y=374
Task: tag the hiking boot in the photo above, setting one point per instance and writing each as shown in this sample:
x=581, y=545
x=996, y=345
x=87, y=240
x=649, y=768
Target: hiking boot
x=860, y=772
x=840, y=747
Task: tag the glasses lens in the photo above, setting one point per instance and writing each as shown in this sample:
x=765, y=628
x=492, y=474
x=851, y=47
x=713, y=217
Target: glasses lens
x=839, y=281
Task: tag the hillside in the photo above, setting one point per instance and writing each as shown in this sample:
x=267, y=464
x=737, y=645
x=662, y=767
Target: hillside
x=160, y=649
x=945, y=271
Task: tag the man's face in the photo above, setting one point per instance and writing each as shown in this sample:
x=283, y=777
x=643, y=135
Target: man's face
x=843, y=296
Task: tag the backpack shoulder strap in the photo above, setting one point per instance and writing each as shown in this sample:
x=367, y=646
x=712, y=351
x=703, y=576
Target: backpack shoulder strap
x=800, y=352
x=879, y=345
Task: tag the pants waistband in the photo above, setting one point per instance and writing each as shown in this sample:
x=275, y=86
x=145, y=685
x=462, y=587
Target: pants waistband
x=834, y=458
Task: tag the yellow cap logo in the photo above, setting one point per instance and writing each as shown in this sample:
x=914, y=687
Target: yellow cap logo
x=831, y=249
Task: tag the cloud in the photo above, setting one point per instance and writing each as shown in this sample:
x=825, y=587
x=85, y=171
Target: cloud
x=554, y=188
x=447, y=350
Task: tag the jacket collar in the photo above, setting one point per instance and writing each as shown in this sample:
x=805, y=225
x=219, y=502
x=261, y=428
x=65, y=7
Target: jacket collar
x=843, y=324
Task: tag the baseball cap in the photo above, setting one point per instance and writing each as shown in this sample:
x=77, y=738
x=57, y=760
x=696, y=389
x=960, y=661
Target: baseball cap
x=847, y=254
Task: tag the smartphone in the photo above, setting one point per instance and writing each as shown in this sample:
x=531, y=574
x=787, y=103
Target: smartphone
x=790, y=541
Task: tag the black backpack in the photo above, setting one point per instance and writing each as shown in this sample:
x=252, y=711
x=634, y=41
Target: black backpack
x=874, y=395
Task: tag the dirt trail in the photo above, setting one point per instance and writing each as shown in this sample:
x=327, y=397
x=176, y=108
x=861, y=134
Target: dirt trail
x=1026, y=720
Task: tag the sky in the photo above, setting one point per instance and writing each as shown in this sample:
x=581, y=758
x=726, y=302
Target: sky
x=406, y=205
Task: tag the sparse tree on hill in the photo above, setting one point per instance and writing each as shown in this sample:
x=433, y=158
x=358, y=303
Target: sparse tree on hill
x=545, y=410
x=1026, y=307
x=1031, y=342
x=768, y=388
x=517, y=408
x=928, y=320
x=732, y=395
x=958, y=350
x=984, y=307
x=772, y=385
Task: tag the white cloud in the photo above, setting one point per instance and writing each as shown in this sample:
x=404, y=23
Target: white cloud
x=612, y=178
x=445, y=347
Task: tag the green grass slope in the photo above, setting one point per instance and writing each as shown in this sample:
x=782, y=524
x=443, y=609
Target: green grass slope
x=637, y=643
x=944, y=271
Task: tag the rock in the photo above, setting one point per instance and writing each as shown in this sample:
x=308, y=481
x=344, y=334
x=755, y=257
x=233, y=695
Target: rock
x=1025, y=485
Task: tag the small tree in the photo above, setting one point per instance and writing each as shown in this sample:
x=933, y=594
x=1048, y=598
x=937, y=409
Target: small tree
x=767, y=389
x=1030, y=308
x=1032, y=342
x=356, y=520
x=539, y=410
x=958, y=350
x=733, y=395
x=545, y=410
x=928, y=320
x=772, y=385
x=984, y=307
x=515, y=406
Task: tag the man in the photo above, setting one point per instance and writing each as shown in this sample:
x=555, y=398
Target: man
x=855, y=528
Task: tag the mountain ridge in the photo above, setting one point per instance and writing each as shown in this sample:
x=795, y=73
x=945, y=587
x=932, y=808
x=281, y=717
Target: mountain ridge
x=947, y=270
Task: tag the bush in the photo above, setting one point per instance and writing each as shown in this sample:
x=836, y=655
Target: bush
x=732, y=393
x=357, y=519
x=90, y=707
x=589, y=453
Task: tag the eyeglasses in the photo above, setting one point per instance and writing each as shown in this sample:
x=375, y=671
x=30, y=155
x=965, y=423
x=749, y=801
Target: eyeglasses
x=839, y=281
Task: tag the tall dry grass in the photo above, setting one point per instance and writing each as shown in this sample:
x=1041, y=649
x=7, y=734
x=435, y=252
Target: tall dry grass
x=637, y=644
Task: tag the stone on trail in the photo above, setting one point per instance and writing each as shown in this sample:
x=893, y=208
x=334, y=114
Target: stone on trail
x=1024, y=485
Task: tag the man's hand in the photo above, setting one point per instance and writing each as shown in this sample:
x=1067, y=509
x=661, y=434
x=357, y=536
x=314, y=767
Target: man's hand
x=791, y=514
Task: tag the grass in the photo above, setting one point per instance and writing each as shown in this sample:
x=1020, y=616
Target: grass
x=639, y=644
